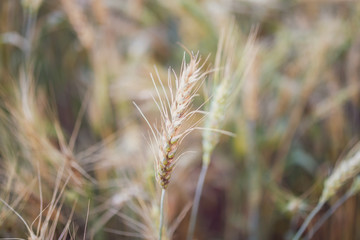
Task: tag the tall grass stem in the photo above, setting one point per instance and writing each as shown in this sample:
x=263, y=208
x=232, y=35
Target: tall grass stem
x=161, y=213
x=198, y=192
x=328, y=214
x=254, y=186
x=308, y=220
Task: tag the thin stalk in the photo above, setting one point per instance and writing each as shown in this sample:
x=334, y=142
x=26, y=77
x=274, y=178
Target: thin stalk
x=198, y=192
x=254, y=190
x=30, y=16
x=328, y=214
x=161, y=213
x=308, y=220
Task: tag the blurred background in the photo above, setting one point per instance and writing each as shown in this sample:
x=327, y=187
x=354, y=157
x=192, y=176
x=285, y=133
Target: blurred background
x=75, y=150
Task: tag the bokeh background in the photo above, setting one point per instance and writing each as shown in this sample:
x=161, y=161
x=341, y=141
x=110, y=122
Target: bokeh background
x=70, y=71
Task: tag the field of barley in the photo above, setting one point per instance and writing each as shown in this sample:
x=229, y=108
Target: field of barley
x=180, y=120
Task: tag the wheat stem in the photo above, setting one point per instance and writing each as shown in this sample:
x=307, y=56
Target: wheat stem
x=308, y=220
x=328, y=214
x=198, y=192
x=224, y=90
x=351, y=192
x=174, y=110
x=346, y=170
x=161, y=213
x=254, y=186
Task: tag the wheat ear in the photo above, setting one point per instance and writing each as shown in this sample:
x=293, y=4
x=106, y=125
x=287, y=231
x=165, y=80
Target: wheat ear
x=175, y=110
x=346, y=170
x=174, y=115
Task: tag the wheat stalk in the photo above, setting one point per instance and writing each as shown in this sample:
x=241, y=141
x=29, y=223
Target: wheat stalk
x=354, y=189
x=173, y=119
x=346, y=170
x=32, y=5
x=227, y=83
x=175, y=110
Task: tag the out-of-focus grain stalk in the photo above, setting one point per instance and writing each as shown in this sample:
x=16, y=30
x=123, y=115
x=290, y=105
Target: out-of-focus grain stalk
x=354, y=189
x=250, y=105
x=31, y=8
x=227, y=81
x=345, y=171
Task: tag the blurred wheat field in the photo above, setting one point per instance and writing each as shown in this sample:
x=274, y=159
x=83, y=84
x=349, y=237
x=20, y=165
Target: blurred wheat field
x=82, y=80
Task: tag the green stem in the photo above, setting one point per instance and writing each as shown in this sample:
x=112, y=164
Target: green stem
x=308, y=220
x=161, y=213
x=195, y=207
